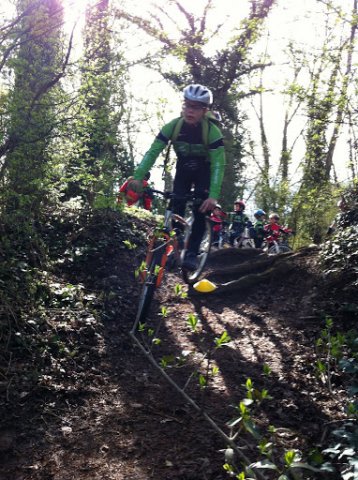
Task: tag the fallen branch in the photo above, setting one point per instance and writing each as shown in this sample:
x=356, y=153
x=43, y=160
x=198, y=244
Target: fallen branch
x=229, y=441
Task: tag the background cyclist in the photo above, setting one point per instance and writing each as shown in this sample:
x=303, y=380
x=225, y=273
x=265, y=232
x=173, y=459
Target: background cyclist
x=258, y=232
x=273, y=229
x=143, y=199
x=239, y=220
x=218, y=219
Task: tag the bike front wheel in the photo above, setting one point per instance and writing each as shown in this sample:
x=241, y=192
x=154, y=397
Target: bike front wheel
x=191, y=277
x=153, y=271
x=277, y=249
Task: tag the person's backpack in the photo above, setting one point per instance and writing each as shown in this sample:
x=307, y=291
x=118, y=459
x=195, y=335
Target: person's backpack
x=210, y=118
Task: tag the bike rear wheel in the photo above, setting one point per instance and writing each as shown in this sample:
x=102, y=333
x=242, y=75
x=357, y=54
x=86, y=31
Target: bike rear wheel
x=191, y=277
x=247, y=243
x=153, y=270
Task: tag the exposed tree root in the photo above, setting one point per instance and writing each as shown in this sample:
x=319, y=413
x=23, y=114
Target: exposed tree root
x=254, y=278
x=259, y=263
x=258, y=267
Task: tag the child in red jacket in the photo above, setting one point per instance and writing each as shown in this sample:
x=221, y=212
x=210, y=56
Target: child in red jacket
x=217, y=218
x=274, y=229
x=143, y=198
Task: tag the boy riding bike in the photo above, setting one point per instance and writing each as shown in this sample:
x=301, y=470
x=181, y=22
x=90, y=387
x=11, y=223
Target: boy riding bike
x=218, y=220
x=239, y=221
x=199, y=148
x=273, y=229
x=258, y=230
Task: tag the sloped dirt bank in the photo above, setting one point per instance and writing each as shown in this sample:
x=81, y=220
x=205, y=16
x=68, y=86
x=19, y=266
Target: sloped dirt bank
x=87, y=405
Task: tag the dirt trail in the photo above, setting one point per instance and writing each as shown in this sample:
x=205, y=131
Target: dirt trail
x=101, y=411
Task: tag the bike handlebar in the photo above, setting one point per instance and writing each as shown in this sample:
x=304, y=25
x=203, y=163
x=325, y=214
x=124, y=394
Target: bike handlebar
x=174, y=196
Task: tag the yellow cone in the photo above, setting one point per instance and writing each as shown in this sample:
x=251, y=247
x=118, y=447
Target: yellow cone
x=204, y=286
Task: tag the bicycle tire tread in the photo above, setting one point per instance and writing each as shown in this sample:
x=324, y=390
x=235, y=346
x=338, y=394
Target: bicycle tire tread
x=149, y=286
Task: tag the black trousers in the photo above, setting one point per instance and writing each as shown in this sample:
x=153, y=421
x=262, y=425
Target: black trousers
x=185, y=180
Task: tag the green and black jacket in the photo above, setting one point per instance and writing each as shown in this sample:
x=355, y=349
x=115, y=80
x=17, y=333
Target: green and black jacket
x=207, y=146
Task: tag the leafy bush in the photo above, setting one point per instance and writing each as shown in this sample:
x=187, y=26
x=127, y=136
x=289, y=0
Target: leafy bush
x=340, y=253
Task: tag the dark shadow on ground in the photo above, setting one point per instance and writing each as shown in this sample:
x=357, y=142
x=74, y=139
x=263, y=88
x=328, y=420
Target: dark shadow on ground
x=111, y=415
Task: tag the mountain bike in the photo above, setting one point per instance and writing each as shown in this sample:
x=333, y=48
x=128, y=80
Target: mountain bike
x=244, y=240
x=169, y=241
x=221, y=238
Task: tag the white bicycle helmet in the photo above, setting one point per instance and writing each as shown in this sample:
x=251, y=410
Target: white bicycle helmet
x=198, y=93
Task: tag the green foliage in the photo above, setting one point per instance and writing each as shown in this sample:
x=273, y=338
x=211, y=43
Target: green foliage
x=179, y=291
x=174, y=361
x=215, y=370
x=202, y=381
x=337, y=351
x=255, y=394
x=31, y=111
x=266, y=370
x=312, y=212
x=103, y=201
x=343, y=451
x=27, y=167
x=223, y=340
x=286, y=465
x=340, y=254
x=129, y=244
x=193, y=321
x=97, y=155
x=141, y=269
